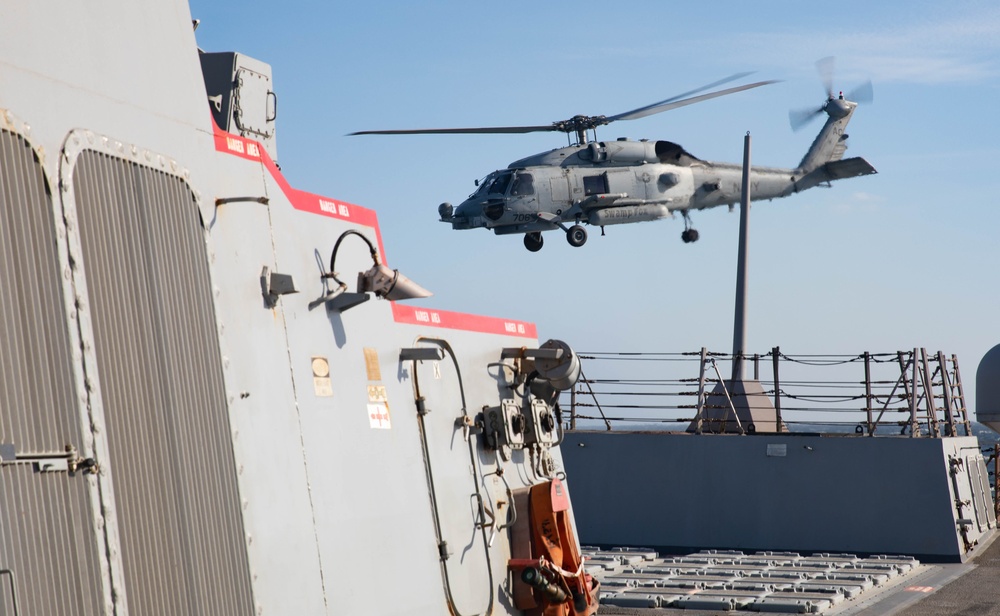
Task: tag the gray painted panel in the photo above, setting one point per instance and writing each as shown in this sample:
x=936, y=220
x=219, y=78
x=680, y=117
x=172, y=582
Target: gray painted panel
x=161, y=381
x=46, y=522
x=278, y=514
x=358, y=475
x=838, y=494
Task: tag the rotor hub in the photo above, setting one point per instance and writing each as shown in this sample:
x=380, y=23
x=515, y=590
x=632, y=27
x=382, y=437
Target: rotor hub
x=580, y=123
x=838, y=107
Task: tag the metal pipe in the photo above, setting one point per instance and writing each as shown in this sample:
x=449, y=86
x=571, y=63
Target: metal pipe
x=868, y=392
x=739, y=323
x=775, y=356
x=699, y=415
x=572, y=408
x=13, y=589
x=914, y=426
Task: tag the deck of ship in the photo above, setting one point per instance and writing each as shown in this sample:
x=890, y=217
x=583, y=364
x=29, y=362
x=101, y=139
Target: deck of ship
x=975, y=593
x=925, y=590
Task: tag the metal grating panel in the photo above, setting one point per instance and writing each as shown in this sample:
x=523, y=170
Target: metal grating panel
x=984, y=479
x=160, y=375
x=978, y=499
x=36, y=377
x=982, y=476
x=46, y=520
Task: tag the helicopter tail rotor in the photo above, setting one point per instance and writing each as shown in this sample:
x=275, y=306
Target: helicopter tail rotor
x=799, y=118
x=864, y=93
x=825, y=67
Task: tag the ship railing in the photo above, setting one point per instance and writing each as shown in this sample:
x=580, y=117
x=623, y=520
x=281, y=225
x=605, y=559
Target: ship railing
x=912, y=393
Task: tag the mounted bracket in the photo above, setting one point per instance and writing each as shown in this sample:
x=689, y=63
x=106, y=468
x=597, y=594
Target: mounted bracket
x=429, y=353
x=66, y=461
x=541, y=425
x=504, y=427
x=273, y=285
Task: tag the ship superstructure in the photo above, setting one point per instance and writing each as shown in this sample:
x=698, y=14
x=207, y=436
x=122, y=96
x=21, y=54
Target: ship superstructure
x=198, y=415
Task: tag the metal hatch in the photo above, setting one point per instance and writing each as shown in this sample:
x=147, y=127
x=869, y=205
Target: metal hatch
x=241, y=97
x=49, y=550
x=151, y=347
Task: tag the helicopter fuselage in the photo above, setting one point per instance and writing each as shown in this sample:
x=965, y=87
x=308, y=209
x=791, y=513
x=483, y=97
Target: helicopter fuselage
x=607, y=183
x=618, y=182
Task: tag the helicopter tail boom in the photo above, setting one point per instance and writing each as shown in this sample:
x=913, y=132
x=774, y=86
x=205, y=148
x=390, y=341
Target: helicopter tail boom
x=831, y=142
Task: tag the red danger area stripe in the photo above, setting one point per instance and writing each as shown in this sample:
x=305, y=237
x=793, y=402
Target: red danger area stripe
x=462, y=321
x=300, y=199
x=324, y=206
x=920, y=588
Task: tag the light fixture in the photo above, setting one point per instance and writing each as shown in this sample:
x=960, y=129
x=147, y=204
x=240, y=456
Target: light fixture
x=380, y=280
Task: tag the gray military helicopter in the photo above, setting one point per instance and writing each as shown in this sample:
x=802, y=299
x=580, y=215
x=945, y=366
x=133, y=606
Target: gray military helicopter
x=602, y=183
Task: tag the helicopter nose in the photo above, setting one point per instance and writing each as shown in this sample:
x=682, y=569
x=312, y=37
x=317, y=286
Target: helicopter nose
x=464, y=209
x=459, y=217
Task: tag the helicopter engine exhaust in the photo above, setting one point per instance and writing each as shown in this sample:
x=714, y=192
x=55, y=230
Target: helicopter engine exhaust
x=627, y=213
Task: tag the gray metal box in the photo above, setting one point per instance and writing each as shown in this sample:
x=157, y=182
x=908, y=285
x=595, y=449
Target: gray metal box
x=241, y=97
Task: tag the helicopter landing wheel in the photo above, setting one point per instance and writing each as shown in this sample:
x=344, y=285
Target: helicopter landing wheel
x=689, y=235
x=533, y=241
x=576, y=236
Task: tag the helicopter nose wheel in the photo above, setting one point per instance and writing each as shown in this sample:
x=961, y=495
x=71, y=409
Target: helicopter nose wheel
x=533, y=241
x=576, y=236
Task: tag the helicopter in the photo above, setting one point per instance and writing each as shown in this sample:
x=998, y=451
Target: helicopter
x=601, y=183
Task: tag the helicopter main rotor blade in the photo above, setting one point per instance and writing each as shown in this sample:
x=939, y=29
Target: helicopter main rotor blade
x=669, y=104
x=458, y=131
x=714, y=84
x=581, y=123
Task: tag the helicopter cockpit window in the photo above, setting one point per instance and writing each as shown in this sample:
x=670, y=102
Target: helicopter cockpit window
x=483, y=185
x=499, y=185
x=595, y=184
x=523, y=185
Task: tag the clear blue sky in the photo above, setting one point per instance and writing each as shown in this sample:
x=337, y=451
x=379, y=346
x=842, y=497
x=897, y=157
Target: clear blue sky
x=901, y=259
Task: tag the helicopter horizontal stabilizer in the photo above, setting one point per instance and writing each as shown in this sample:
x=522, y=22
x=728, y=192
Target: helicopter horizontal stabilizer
x=848, y=168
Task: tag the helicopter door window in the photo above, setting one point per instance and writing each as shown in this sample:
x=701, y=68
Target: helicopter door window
x=523, y=185
x=500, y=185
x=595, y=184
